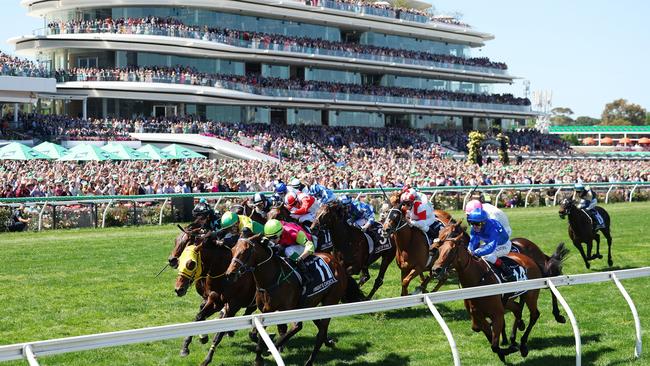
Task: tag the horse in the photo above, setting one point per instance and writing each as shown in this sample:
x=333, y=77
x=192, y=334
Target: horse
x=581, y=231
x=413, y=256
x=246, y=209
x=352, y=244
x=472, y=271
x=208, y=261
x=279, y=289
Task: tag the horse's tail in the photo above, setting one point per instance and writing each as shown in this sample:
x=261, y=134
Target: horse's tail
x=553, y=266
x=353, y=292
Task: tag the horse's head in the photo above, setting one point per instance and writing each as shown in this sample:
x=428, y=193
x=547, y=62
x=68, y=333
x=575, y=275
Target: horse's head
x=394, y=221
x=329, y=215
x=184, y=237
x=245, y=255
x=566, y=205
x=447, y=246
x=189, y=268
x=279, y=213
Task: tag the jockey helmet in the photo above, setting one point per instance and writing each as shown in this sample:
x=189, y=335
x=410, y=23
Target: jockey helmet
x=316, y=189
x=345, y=199
x=407, y=197
x=201, y=209
x=280, y=188
x=295, y=183
x=259, y=198
x=405, y=188
x=203, y=200
x=291, y=199
x=578, y=187
x=472, y=205
x=273, y=228
x=229, y=219
x=477, y=216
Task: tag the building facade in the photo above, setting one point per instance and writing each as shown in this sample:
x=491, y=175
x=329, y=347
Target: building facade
x=294, y=62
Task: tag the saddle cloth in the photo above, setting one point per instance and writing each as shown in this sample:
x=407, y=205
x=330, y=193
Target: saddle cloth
x=378, y=241
x=519, y=272
x=321, y=275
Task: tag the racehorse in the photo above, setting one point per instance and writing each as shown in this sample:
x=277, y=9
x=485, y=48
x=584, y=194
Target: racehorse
x=413, y=257
x=473, y=272
x=279, y=289
x=208, y=261
x=581, y=231
x=353, y=245
x=279, y=212
x=246, y=209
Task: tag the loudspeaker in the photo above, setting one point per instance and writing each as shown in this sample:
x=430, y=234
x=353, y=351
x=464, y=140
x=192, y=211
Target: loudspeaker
x=182, y=208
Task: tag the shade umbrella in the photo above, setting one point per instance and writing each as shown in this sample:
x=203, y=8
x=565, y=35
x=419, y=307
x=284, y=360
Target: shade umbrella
x=181, y=152
x=644, y=140
x=54, y=151
x=588, y=141
x=124, y=152
x=87, y=152
x=606, y=141
x=624, y=141
x=18, y=151
x=154, y=153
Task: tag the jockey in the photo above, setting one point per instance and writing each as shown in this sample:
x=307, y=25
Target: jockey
x=262, y=204
x=296, y=186
x=205, y=216
x=279, y=191
x=360, y=214
x=234, y=224
x=497, y=243
x=420, y=214
x=588, y=201
x=302, y=207
x=294, y=240
x=493, y=212
x=412, y=191
x=322, y=193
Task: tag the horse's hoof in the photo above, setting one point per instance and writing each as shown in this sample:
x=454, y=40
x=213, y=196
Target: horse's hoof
x=560, y=319
x=206, y=362
x=502, y=357
x=417, y=291
x=185, y=352
x=203, y=338
x=588, y=265
x=231, y=334
x=610, y=262
x=521, y=325
x=523, y=349
x=330, y=342
x=599, y=256
x=252, y=336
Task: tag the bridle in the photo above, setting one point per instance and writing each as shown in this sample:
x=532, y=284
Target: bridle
x=243, y=267
x=400, y=224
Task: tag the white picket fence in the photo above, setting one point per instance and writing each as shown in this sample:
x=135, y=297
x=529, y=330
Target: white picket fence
x=31, y=350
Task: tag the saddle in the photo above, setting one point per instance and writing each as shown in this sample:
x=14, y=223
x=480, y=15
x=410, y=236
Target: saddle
x=517, y=270
x=593, y=215
x=320, y=273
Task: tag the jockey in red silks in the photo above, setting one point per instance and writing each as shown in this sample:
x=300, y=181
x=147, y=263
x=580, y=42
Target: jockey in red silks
x=419, y=213
x=302, y=207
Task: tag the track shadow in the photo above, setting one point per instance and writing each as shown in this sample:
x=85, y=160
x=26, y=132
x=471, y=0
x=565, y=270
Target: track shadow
x=560, y=341
x=588, y=358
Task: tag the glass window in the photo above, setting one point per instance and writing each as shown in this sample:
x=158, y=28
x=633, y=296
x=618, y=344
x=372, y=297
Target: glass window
x=336, y=76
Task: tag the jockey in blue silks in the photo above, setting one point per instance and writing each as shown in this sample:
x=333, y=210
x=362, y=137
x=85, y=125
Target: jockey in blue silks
x=495, y=238
x=360, y=214
x=322, y=193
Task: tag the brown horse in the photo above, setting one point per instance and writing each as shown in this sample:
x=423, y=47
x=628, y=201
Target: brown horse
x=412, y=248
x=352, y=244
x=209, y=261
x=247, y=209
x=474, y=272
x=279, y=289
x=581, y=231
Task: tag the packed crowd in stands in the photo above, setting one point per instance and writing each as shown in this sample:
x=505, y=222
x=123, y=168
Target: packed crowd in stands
x=175, y=28
x=257, y=84
x=15, y=66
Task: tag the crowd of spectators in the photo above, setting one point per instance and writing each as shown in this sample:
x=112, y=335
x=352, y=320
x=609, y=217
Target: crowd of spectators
x=15, y=66
x=175, y=28
x=295, y=87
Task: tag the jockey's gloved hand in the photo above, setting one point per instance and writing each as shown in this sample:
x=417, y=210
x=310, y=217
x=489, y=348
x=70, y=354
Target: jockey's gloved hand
x=366, y=226
x=350, y=222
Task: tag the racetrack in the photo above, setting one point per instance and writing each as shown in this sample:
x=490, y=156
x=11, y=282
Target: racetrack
x=65, y=283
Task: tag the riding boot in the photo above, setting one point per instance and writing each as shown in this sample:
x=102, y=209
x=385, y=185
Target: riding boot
x=302, y=267
x=508, y=273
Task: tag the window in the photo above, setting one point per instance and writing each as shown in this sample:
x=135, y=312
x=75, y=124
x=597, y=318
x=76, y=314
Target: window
x=87, y=62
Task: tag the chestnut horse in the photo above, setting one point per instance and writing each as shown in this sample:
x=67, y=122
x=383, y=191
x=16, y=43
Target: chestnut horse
x=472, y=271
x=412, y=248
x=352, y=244
x=279, y=289
x=209, y=261
x=581, y=231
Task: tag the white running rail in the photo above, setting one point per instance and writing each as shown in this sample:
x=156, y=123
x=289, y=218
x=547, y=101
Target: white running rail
x=30, y=351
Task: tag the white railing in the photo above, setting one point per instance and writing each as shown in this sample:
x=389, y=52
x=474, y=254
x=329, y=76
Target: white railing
x=31, y=350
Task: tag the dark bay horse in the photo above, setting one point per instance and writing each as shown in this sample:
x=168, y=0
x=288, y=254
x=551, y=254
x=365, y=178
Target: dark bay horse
x=247, y=209
x=412, y=248
x=278, y=289
x=352, y=244
x=209, y=261
x=581, y=231
x=474, y=272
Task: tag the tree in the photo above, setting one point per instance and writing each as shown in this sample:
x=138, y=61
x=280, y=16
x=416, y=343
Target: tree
x=647, y=118
x=560, y=116
x=587, y=121
x=622, y=113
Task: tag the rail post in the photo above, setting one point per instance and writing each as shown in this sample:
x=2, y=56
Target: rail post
x=607, y=194
x=635, y=315
x=445, y=329
x=632, y=192
x=269, y=343
x=29, y=355
x=40, y=216
x=572, y=318
x=527, y=195
x=557, y=193
x=162, y=208
x=108, y=205
x=465, y=199
x=496, y=199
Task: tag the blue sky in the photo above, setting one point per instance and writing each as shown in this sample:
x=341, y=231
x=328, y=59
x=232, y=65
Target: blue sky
x=588, y=52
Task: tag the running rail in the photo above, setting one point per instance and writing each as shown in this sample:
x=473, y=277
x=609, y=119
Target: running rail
x=30, y=351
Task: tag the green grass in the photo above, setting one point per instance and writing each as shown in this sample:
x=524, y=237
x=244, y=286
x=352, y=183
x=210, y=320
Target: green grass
x=67, y=283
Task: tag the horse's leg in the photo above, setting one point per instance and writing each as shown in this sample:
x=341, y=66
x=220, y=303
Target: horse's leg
x=212, y=305
x=295, y=329
x=531, y=302
x=590, y=246
x=608, y=236
x=406, y=280
x=441, y=281
x=226, y=313
x=597, y=255
x=322, y=326
x=516, y=309
x=582, y=253
x=206, y=309
x=259, y=360
x=365, y=276
x=556, y=310
x=385, y=262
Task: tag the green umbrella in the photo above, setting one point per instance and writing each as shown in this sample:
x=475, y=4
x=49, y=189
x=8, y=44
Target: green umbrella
x=86, y=152
x=124, y=152
x=154, y=153
x=54, y=151
x=18, y=151
x=180, y=152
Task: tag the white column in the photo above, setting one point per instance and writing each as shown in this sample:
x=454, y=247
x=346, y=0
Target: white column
x=16, y=106
x=84, y=108
x=104, y=108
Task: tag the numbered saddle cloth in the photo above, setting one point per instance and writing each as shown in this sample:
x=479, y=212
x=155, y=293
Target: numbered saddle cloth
x=377, y=240
x=321, y=276
x=324, y=240
x=519, y=271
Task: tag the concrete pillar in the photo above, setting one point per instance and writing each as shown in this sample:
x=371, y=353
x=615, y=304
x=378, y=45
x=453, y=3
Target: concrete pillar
x=84, y=109
x=16, y=110
x=104, y=108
